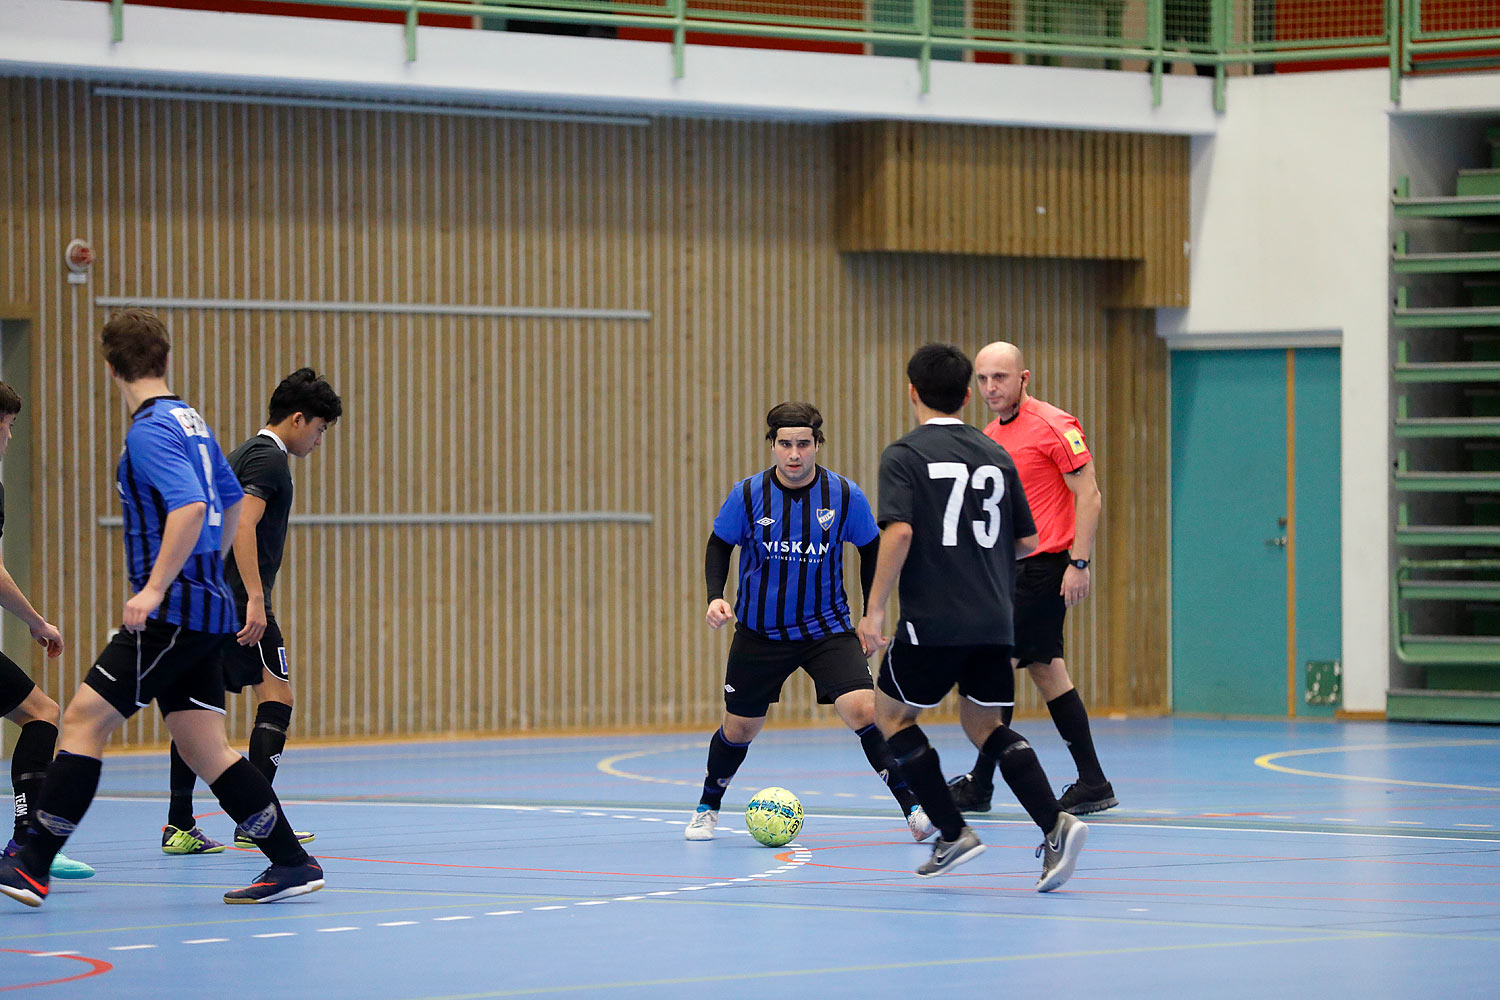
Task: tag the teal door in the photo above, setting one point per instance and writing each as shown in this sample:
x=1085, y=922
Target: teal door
x=1255, y=521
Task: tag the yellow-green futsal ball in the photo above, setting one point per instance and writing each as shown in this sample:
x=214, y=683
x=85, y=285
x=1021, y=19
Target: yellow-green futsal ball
x=774, y=816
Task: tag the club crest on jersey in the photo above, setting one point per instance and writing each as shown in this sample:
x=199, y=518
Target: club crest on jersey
x=825, y=517
x=766, y=522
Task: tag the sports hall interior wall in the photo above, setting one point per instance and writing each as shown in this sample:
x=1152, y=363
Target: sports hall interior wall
x=722, y=231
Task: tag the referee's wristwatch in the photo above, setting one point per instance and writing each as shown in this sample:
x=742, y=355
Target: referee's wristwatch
x=1079, y=563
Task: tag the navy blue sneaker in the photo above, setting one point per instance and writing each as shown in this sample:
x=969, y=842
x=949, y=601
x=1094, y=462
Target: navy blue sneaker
x=278, y=882
x=21, y=885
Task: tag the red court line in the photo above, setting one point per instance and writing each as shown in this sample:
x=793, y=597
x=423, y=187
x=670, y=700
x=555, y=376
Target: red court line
x=97, y=966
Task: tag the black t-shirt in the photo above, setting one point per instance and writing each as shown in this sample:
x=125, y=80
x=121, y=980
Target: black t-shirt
x=961, y=495
x=263, y=471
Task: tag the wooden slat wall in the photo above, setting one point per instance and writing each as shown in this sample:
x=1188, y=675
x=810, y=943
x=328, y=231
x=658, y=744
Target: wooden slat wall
x=724, y=231
x=1016, y=192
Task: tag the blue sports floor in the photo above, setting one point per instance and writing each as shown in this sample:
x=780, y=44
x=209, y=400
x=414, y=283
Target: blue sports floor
x=1247, y=859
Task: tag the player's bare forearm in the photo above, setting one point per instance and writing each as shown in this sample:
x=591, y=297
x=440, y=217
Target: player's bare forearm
x=895, y=544
x=246, y=555
x=14, y=601
x=1027, y=544
x=1088, y=502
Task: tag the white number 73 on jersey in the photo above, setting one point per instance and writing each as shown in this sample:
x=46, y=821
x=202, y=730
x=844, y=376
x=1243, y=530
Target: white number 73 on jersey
x=986, y=532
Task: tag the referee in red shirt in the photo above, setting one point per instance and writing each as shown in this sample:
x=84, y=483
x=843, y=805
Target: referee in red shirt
x=1057, y=473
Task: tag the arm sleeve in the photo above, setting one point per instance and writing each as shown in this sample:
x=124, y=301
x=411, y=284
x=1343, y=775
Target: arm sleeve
x=1069, y=451
x=159, y=455
x=895, y=487
x=859, y=526
x=260, y=474
x=1020, y=508
x=716, y=565
x=867, y=556
x=733, y=524
x=225, y=481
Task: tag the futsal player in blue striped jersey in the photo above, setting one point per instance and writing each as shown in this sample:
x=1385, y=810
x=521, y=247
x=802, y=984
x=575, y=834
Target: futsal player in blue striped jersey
x=181, y=504
x=790, y=523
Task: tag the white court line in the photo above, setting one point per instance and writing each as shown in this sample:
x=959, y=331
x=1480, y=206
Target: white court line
x=277, y=934
x=882, y=820
x=54, y=954
x=335, y=930
x=131, y=947
x=206, y=941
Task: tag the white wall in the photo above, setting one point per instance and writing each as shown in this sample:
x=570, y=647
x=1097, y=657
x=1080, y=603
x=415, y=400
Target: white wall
x=1291, y=222
x=42, y=37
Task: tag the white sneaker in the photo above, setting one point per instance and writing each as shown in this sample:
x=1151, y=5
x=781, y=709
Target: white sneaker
x=1061, y=850
x=921, y=826
x=701, y=826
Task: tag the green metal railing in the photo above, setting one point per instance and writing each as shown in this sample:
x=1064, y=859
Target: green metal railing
x=1211, y=35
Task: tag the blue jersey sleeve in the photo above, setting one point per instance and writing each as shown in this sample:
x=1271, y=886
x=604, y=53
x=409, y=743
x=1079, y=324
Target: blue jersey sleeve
x=859, y=526
x=732, y=524
x=159, y=455
x=225, y=481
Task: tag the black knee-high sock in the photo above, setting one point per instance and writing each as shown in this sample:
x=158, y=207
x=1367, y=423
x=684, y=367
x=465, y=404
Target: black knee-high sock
x=724, y=759
x=28, y=769
x=247, y=797
x=268, y=738
x=878, y=753
x=983, y=771
x=923, y=771
x=1023, y=773
x=72, y=780
x=1072, y=721
x=180, y=806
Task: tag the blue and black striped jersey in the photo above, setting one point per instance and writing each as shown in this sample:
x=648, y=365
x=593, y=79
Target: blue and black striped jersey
x=791, y=583
x=171, y=460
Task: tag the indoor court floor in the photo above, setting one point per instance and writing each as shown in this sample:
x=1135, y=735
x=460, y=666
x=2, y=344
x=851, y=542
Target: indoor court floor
x=1247, y=859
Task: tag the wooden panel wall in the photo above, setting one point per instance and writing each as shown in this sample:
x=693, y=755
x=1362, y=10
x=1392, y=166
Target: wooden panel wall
x=723, y=231
x=1016, y=192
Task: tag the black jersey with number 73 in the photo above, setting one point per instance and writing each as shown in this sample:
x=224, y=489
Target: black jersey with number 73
x=961, y=495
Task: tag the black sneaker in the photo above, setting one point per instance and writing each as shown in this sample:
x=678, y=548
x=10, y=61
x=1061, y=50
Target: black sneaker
x=1061, y=847
x=971, y=796
x=20, y=885
x=279, y=882
x=949, y=854
x=1080, y=797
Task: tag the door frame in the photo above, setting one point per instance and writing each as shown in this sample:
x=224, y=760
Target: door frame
x=1288, y=341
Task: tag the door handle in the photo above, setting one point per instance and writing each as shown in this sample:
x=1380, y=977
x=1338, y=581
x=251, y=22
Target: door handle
x=1279, y=542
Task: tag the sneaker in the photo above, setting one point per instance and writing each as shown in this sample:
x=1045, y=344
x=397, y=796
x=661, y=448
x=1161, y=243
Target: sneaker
x=65, y=867
x=949, y=854
x=701, y=826
x=62, y=865
x=20, y=885
x=1061, y=850
x=280, y=882
x=243, y=839
x=1079, y=798
x=175, y=840
x=921, y=826
x=971, y=796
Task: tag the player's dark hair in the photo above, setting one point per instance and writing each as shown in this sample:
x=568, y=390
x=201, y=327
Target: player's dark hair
x=136, y=344
x=306, y=392
x=794, y=415
x=940, y=373
x=10, y=401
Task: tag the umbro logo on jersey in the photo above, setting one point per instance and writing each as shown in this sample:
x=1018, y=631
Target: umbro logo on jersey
x=765, y=521
x=729, y=688
x=825, y=517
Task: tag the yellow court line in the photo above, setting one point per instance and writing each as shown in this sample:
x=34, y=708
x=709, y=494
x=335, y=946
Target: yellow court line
x=607, y=765
x=1264, y=760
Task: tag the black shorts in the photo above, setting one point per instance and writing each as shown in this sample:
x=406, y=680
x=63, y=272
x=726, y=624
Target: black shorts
x=174, y=666
x=922, y=676
x=245, y=666
x=1040, y=607
x=758, y=667
x=15, y=685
